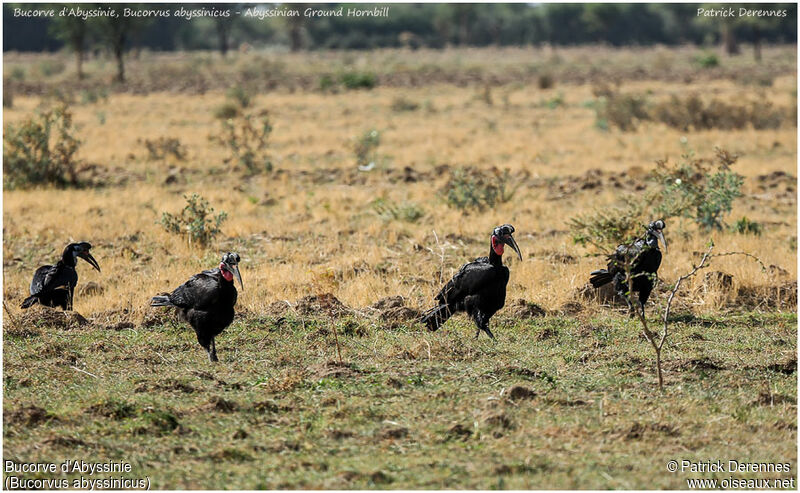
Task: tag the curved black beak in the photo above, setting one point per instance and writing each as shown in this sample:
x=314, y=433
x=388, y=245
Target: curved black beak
x=660, y=235
x=234, y=268
x=88, y=258
x=509, y=240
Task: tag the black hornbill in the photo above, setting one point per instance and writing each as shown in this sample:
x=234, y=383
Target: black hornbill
x=206, y=301
x=644, y=258
x=478, y=288
x=54, y=285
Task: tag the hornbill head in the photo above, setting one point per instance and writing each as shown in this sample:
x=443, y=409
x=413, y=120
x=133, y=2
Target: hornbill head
x=656, y=229
x=80, y=250
x=502, y=236
x=229, y=267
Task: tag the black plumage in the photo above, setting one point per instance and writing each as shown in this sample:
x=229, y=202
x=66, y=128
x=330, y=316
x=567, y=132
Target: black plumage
x=54, y=285
x=206, y=301
x=644, y=258
x=478, y=288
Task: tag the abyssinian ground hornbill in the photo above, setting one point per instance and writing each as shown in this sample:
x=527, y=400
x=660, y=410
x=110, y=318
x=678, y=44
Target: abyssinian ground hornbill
x=478, y=288
x=54, y=285
x=206, y=301
x=643, y=256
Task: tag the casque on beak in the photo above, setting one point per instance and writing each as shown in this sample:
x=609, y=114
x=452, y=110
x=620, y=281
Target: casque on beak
x=234, y=268
x=88, y=258
x=509, y=240
x=660, y=235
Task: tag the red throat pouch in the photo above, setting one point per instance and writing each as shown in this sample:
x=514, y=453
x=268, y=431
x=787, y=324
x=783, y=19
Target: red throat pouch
x=225, y=273
x=497, y=246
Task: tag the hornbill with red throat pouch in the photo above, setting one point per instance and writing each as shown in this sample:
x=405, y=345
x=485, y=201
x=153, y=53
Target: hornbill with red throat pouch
x=478, y=288
x=54, y=285
x=206, y=301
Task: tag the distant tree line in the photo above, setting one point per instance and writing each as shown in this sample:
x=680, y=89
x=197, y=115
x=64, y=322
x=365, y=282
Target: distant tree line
x=407, y=25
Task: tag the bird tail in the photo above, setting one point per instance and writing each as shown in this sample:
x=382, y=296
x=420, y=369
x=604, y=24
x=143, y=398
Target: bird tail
x=29, y=301
x=601, y=277
x=436, y=316
x=161, y=301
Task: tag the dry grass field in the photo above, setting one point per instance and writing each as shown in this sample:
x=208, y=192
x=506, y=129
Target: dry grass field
x=565, y=400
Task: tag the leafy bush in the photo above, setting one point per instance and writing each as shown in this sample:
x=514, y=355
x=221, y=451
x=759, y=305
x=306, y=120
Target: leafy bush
x=247, y=139
x=745, y=226
x=607, y=227
x=41, y=150
x=388, y=210
x=365, y=148
x=240, y=96
x=160, y=148
x=196, y=221
x=469, y=188
x=326, y=83
x=706, y=60
x=698, y=189
x=358, y=80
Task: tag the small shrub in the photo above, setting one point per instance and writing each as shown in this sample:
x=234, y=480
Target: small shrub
x=365, y=148
x=358, y=80
x=41, y=150
x=240, y=96
x=160, y=148
x=388, y=210
x=18, y=73
x=469, y=188
x=401, y=103
x=51, y=67
x=226, y=111
x=702, y=190
x=247, y=139
x=545, y=81
x=91, y=96
x=745, y=226
x=607, y=227
x=624, y=111
x=707, y=60
x=326, y=83
x=196, y=221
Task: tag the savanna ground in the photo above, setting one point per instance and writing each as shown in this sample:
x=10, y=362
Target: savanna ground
x=566, y=397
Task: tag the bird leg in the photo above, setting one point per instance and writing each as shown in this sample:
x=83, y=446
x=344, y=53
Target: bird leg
x=212, y=354
x=489, y=332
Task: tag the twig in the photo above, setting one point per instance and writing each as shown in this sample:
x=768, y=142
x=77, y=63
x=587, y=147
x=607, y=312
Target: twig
x=13, y=319
x=84, y=371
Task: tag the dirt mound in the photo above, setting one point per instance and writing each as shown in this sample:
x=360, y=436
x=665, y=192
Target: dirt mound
x=519, y=393
x=28, y=416
x=218, y=404
x=521, y=308
x=787, y=368
x=55, y=318
x=393, y=311
x=277, y=309
x=322, y=304
x=782, y=296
